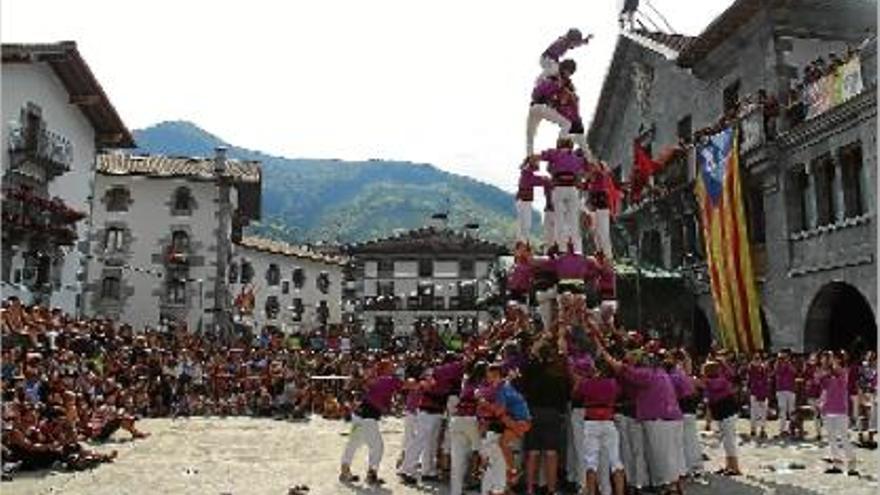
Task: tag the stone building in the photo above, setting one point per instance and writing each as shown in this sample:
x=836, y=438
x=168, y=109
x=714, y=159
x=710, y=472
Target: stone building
x=162, y=236
x=810, y=177
x=56, y=118
x=295, y=289
x=426, y=277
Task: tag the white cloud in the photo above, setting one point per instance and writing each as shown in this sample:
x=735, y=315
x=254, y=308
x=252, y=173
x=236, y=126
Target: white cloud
x=445, y=82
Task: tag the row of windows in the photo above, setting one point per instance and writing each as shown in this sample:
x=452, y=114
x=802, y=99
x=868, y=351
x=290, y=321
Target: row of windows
x=273, y=309
x=114, y=240
x=817, y=196
x=385, y=268
x=118, y=198
x=244, y=274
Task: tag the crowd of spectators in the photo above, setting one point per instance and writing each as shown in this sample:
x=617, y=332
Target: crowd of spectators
x=69, y=382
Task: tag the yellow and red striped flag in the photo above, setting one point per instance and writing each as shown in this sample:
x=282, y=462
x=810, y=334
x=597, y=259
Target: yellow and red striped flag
x=726, y=236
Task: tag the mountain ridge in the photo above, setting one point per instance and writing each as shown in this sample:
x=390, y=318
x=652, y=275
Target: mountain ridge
x=310, y=200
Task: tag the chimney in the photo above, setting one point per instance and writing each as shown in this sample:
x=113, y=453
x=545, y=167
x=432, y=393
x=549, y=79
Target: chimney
x=438, y=221
x=219, y=160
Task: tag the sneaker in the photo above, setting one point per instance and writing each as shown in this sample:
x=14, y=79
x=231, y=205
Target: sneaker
x=374, y=479
x=852, y=472
x=833, y=470
x=408, y=480
x=348, y=478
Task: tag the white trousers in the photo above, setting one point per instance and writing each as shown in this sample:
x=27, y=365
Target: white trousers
x=495, y=475
x=549, y=228
x=568, y=225
x=602, y=231
x=574, y=459
x=785, y=401
x=538, y=113
x=816, y=405
x=601, y=437
x=409, y=431
x=837, y=427
x=664, y=451
x=875, y=408
x=364, y=431
x=464, y=436
x=523, y=219
x=424, y=446
x=637, y=468
x=728, y=436
x=693, y=449
x=549, y=67
x=757, y=413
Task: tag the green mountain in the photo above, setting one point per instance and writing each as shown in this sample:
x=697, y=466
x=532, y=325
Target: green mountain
x=309, y=200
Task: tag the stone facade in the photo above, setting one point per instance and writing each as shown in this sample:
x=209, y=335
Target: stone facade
x=155, y=234
x=809, y=186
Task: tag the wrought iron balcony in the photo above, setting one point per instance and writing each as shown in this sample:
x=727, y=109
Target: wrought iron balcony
x=41, y=146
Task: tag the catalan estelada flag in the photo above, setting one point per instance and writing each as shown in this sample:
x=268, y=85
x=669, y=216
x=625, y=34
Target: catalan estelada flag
x=726, y=236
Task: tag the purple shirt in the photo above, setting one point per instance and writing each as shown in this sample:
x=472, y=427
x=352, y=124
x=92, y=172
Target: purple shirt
x=413, y=398
x=574, y=266
x=558, y=48
x=528, y=181
x=447, y=377
x=836, y=401
x=759, y=382
x=467, y=400
x=716, y=389
x=682, y=382
x=654, y=393
x=381, y=391
x=785, y=376
x=599, y=392
x=562, y=161
x=520, y=279
x=545, y=90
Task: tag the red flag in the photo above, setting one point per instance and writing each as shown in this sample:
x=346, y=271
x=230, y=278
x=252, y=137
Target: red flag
x=642, y=169
x=614, y=195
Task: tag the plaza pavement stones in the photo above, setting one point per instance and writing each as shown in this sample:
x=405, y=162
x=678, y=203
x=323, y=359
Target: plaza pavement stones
x=243, y=456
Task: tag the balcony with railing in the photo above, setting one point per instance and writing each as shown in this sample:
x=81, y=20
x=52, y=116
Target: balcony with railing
x=27, y=213
x=42, y=147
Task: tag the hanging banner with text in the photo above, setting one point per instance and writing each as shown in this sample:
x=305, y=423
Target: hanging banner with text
x=835, y=88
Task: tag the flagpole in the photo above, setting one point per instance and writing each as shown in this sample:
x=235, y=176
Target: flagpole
x=638, y=274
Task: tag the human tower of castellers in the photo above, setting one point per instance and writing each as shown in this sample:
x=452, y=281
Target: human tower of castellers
x=569, y=393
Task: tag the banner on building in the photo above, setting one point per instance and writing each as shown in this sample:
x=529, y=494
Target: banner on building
x=835, y=88
x=726, y=236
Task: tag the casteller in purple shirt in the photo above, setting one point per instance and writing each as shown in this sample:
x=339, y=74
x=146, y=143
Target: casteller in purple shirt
x=571, y=266
x=563, y=161
x=717, y=388
x=654, y=393
x=381, y=391
x=564, y=43
x=785, y=376
x=834, y=385
x=447, y=377
x=759, y=382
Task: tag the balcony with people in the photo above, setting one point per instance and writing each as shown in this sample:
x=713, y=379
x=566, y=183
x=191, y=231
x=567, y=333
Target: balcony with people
x=31, y=142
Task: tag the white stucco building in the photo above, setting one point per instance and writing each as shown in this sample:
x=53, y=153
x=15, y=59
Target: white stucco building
x=432, y=276
x=162, y=237
x=295, y=289
x=56, y=117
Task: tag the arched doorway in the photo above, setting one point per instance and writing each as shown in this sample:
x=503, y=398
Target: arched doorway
x=701, y=340
x=840, y=318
